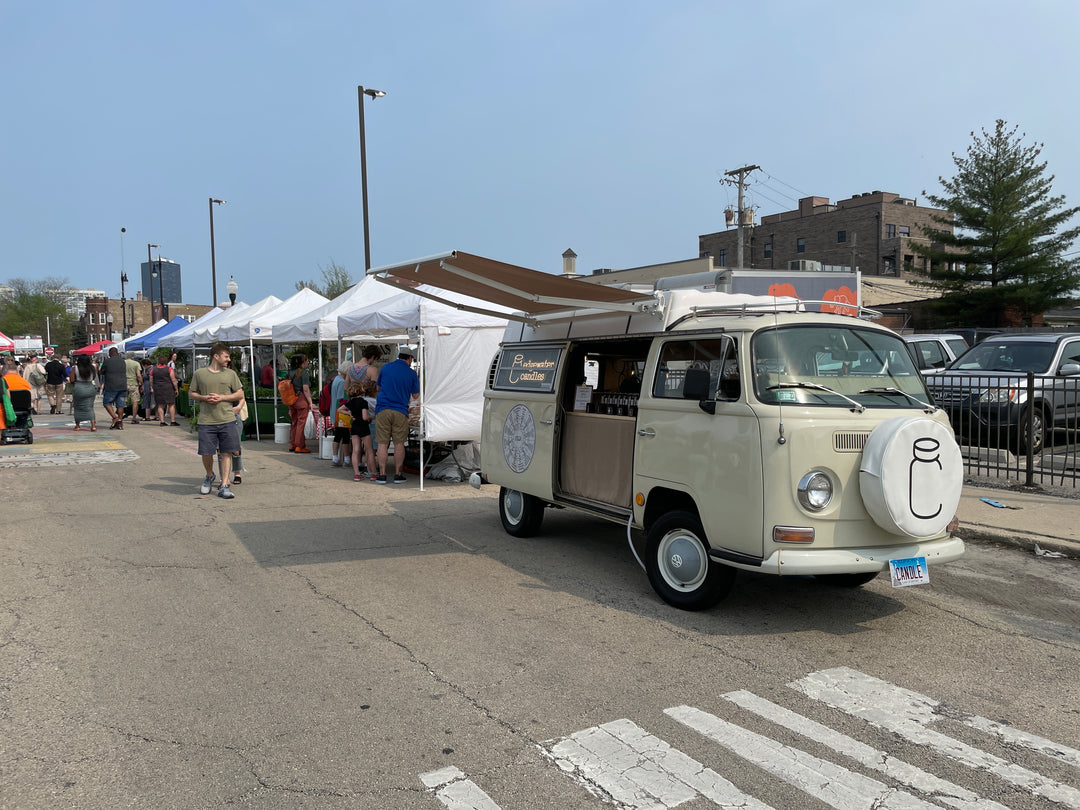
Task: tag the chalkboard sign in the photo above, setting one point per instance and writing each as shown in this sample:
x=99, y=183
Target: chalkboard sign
x=527, y=369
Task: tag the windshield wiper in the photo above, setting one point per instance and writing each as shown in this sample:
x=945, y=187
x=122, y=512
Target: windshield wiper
x=926, y=405
x=858, y=407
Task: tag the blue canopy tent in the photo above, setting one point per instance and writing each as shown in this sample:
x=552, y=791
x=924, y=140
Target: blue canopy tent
x=155, y=338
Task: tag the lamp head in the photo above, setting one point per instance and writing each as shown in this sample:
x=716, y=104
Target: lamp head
x=218, y=202
x=374, y=93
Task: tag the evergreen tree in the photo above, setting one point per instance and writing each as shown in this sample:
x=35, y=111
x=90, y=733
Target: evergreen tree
x=1008, y=244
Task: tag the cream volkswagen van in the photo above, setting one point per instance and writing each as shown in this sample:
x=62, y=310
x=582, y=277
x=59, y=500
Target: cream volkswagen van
x=735, y=433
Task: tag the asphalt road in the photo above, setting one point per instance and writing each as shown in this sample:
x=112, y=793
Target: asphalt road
x=318, y=643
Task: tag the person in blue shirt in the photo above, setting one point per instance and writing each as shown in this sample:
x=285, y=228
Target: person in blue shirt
x=398, y=386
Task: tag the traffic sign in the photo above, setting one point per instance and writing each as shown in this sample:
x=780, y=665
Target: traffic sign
x=49, y=351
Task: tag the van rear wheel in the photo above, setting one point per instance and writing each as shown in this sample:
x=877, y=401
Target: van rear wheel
x=521, y=514
x=678, y=564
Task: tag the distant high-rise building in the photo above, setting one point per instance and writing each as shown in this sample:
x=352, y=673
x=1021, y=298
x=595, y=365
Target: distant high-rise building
x=167, y=286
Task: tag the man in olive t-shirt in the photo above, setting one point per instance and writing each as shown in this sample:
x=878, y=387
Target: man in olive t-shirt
x=217, y=389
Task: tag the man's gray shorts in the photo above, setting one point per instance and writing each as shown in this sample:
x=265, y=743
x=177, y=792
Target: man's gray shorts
x=218, y=438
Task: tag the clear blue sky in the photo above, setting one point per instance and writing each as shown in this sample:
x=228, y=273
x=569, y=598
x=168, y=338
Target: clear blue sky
x=512, y=128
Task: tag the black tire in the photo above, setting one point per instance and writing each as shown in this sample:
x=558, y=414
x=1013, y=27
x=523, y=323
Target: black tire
x=521, y=514
x=678, y=564
x=1038, y=432
x=848, y=580
x=29, y=438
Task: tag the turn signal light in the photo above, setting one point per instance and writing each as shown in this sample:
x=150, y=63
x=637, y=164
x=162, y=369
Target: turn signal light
x=792, y=534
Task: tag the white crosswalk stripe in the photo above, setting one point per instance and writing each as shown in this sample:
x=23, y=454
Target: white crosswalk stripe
x=627, y=767
x=637, y=771
x=926, y=783
x=905, y=713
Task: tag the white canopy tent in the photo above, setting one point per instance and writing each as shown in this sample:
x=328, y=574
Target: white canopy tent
x=260, y=329
x=184, y=338
x=456, y=347
x=211, y=332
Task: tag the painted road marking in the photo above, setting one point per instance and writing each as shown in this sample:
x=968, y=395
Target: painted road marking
x=622, y=763
x=455, y=791
x=906, y=713
x=627, y=767
x=66, y=453
x=932, y=786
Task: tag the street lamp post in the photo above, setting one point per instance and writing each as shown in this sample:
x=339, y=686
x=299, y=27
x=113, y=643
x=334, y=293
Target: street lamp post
x=360, y=93
x=213, y=260
x=109, y=320
x=232, y=288
x=150, y=270
x=123, y=281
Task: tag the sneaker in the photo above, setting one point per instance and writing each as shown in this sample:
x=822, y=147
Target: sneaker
x=336, y=461
x=374, y=477
x=225, y=492
x=207, y=483
x=380, y=479
x=399, y=479
x=348, y=459
x=301, y=450
x=358, y=478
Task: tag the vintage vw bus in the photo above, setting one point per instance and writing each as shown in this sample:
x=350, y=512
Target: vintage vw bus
x=736, y=432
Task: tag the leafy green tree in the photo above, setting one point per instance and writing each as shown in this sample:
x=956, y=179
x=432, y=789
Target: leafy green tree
x=31, y=303
x=1007, y=245
x=335, y=281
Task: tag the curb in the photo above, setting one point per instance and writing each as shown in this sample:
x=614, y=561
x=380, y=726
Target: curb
x=978, y=534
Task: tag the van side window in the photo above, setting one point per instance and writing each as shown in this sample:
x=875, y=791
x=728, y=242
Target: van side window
x=717, y=355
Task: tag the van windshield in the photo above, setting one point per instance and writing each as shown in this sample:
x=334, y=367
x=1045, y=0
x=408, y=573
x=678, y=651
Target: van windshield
x=836, y=366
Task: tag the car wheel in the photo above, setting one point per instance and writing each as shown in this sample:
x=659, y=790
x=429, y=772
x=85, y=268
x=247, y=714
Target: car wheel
x=678, y=564
x=1038, y=432
x=521, y=514
x=848, y=580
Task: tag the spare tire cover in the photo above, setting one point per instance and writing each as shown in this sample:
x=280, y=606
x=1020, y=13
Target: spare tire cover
x=911, y=476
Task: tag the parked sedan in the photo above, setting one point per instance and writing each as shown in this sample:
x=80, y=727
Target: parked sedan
x=932, y=353
x=985, y=391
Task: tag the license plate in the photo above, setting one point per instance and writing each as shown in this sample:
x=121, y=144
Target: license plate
x=912, y=571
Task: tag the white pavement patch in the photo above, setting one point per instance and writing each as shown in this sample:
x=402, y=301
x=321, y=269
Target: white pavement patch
x=930, y=785
x=622, y=763
x=907, y=713
x=66, y=459
x=455, y=791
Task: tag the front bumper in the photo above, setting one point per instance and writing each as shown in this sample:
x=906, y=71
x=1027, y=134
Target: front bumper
x=811, y=562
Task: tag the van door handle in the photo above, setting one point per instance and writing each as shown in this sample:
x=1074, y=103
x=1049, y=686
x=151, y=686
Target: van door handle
x=545, y=422
x=646, y=432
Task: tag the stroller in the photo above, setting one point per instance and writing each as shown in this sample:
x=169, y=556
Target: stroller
x=20, y=431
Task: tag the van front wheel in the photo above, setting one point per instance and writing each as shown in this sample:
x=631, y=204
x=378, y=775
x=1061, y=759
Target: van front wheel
x=678, y=564
x=521, y=514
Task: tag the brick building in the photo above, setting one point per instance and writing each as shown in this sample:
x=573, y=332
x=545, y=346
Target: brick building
x=136, y=314
x=874, y=231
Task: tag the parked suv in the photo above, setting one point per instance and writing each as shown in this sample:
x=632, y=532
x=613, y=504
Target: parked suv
x=985, y=391
x=932, y=353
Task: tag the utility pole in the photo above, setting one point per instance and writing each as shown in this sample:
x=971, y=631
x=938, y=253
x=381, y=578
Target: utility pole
x=741, y=185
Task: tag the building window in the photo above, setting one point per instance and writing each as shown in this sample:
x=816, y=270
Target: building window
x=841, y=236
x=890, y=231
x=800, y=245
x=888, y=266
x=768, y=250
x=721, y=258
x=905, y=230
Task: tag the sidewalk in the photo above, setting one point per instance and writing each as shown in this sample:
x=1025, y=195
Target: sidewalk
x=1029, y=518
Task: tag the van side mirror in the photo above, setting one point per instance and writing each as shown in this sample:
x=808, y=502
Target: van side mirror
x=696, y=386
x=1069, y=370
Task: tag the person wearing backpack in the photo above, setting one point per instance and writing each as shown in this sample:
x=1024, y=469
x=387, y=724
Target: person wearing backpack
x=300, y=379
x=34, y=373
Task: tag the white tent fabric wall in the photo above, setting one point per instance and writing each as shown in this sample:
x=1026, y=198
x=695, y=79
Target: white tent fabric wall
x=260, y=327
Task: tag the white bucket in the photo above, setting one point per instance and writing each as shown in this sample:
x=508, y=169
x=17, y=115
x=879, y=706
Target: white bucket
x=326, y=447
x=281, y=432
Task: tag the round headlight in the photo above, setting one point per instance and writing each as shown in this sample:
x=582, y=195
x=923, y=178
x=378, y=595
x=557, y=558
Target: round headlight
x=815, y=491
